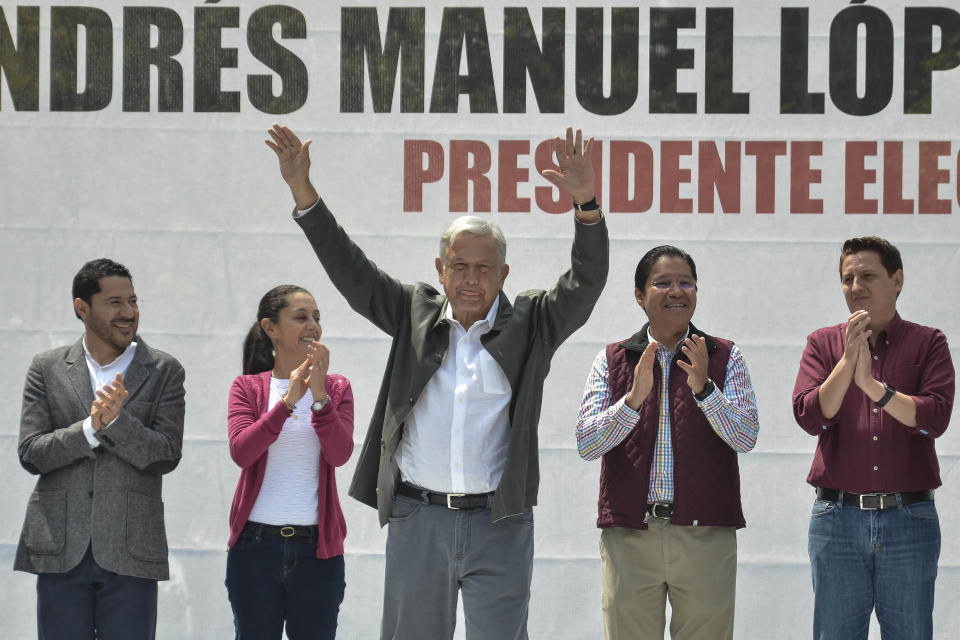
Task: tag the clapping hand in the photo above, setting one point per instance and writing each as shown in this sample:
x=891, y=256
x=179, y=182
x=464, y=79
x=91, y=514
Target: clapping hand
x=695, y=348
x=108, y=403
x=311, y=374
x=318, y=355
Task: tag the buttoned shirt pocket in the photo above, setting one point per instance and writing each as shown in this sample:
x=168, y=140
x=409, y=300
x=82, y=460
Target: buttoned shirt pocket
x=905, y=379
x=494, y=381
x=45, y=526
x=145, y=533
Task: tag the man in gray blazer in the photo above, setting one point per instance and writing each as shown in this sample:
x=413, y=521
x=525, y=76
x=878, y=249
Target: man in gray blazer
x=450, y=458
x=102, y=421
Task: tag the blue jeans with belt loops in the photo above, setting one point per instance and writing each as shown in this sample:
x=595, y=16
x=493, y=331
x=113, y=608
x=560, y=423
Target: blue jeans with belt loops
x=865, y=560
x=272, y=580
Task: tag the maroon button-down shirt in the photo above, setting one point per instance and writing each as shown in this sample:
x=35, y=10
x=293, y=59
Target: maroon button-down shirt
x=864, y=449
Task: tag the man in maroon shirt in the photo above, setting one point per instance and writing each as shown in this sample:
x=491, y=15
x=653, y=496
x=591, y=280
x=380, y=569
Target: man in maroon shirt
x=876, y=390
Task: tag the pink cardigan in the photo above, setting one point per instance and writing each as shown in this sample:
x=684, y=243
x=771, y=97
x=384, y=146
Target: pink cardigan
x=252, y=428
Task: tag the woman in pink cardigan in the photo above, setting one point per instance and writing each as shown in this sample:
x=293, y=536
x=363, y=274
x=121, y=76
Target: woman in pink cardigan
x=290, y=424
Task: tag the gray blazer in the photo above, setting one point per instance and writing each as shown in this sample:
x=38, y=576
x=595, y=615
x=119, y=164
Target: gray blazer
x=108, y=496
x=523, y=339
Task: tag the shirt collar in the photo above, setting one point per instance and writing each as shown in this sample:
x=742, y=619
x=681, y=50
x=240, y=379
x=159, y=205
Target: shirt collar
x=126, y=352
x=489, y=319
x=893, y=328
x=650, y=339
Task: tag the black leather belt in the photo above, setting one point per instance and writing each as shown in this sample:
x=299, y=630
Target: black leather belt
x=661, y=510
x=286, y=531
x=874, y=501
x=448, y=500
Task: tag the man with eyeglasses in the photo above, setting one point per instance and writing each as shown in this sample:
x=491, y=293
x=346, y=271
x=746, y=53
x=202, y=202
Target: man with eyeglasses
x=668, y=410
x=101, y=422
x=876, y=390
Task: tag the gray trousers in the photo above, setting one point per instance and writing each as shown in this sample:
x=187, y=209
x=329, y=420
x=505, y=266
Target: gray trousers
x=434, y=552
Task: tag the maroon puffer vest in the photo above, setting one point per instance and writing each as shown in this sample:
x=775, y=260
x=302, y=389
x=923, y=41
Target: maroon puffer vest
x=706, y=475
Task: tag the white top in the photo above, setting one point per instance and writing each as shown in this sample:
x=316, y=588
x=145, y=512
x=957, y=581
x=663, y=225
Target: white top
x=457, y=435
x=101, y=376
x=288, y=494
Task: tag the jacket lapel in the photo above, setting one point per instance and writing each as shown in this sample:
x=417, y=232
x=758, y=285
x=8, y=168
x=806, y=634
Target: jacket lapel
x=490, y=339
x=139, y=369
x=79, y=375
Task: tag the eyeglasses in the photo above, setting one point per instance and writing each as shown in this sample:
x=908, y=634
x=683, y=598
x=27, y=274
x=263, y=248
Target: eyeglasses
x=683, y=284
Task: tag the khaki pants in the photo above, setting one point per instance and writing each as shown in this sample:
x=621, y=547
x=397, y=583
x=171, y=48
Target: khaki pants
x=696, y=567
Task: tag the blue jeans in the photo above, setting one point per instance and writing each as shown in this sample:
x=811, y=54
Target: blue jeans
x=863, y=560
x=272, y=579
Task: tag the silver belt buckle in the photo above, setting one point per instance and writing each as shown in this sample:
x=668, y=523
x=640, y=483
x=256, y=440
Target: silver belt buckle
x=871, y=495
x=454, y=495
x=653, y=510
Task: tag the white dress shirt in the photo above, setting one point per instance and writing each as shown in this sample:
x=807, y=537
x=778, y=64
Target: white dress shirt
x=101, y=376
x=455, y=439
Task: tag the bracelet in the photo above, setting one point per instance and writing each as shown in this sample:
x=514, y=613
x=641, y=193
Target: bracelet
x=587, y=206
x=287, y=407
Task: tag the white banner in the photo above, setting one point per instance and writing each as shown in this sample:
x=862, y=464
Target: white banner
x=757, y=135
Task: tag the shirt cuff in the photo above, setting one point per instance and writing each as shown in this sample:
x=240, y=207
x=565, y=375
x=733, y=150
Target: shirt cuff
x=712, y=402
x=89, y=433
x=299, y=213
x=624, y=413
x=588, y=224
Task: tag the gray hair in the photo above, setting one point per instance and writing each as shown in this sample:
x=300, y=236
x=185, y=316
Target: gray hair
x=477, y=226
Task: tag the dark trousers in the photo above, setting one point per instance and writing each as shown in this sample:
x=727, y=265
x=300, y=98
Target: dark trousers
x=272, y=580
x=90, y=602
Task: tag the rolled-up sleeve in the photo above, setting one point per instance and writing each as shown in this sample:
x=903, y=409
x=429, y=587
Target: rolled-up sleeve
x=815, y=366
x=935, y=391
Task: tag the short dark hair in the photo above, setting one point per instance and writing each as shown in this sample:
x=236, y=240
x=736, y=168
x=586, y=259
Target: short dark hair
x=889, y=254
x=87, y=281
x=650, y=258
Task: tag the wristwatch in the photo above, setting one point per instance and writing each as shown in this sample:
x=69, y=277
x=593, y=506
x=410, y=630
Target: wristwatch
x=318, y=405
x=889, y=393
x=587, y=206
x=708, y=388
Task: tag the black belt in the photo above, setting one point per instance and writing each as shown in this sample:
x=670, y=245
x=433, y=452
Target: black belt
x=661, y=510
x=874, y=501
x=448, y=500
x=285, y=531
